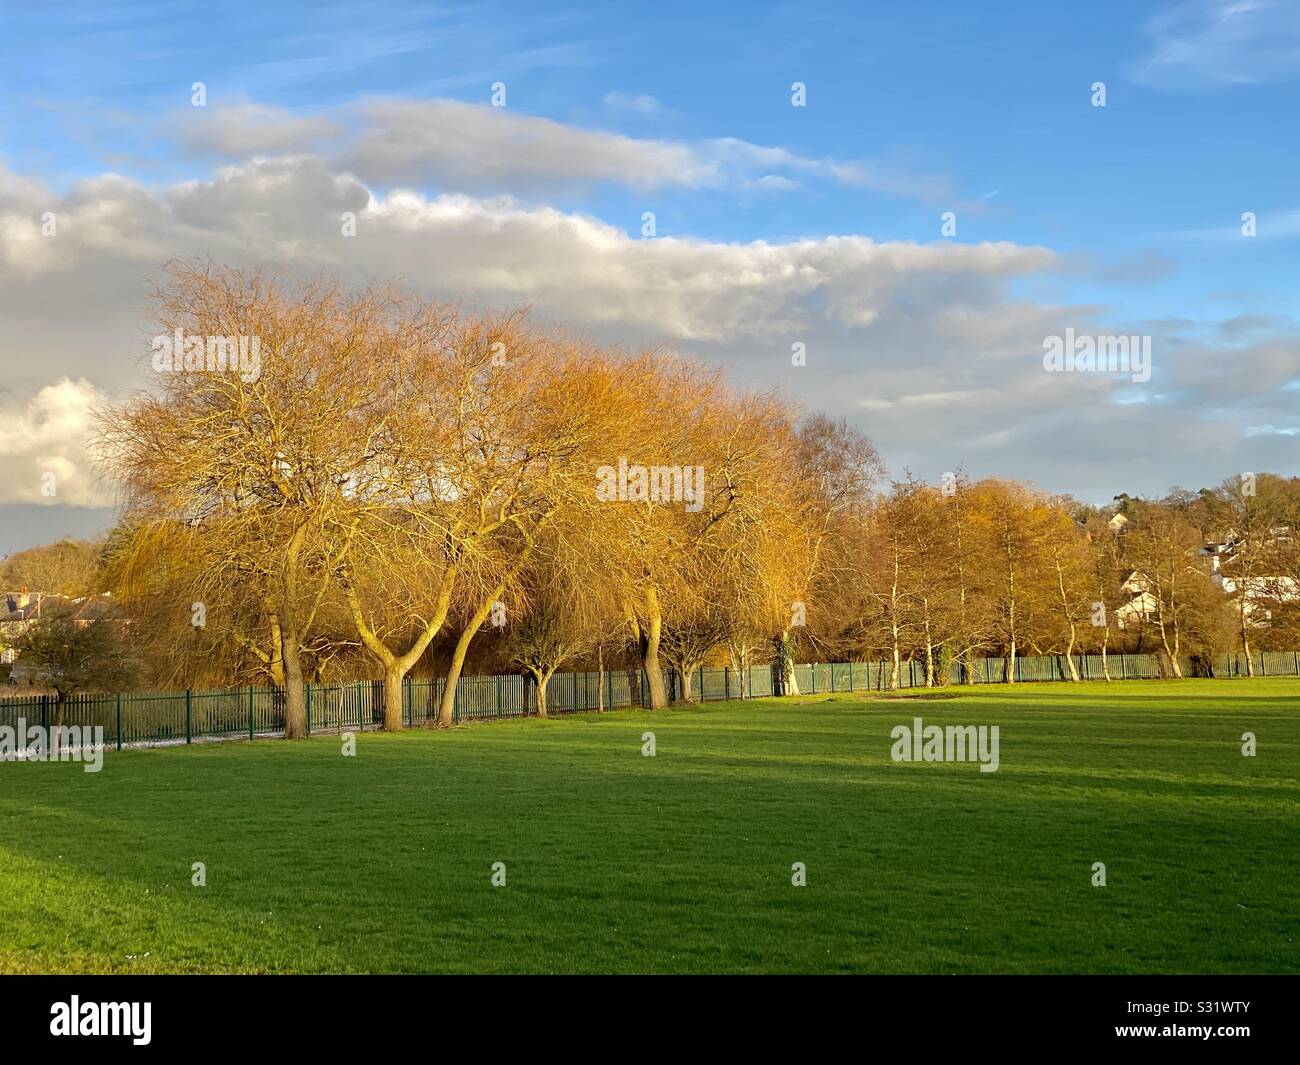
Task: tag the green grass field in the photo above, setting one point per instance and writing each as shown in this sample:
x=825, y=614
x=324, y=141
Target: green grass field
x=682, y=862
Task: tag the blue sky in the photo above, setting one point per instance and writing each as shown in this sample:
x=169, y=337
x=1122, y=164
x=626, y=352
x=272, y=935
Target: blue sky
x=912, y=110
x=985, y=99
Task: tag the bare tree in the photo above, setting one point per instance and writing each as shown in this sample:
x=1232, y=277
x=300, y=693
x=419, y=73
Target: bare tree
x=490, y=420
x=1163, y=549
x=1247, y=512
x=69, y=567
x=256, y=467
x=549, y=634
x=836, y=468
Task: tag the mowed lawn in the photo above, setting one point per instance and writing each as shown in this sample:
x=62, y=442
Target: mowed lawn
x=682, y=862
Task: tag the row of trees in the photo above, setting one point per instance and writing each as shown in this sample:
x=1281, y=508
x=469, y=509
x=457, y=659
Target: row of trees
x=996, y=568
x=402, y=471
x=403, y=485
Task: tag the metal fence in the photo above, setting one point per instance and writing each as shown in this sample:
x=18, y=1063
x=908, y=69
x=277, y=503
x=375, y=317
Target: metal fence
x=159, y=718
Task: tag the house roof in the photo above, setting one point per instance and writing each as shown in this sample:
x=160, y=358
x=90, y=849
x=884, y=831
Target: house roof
x=36, y=602
x=39, y=604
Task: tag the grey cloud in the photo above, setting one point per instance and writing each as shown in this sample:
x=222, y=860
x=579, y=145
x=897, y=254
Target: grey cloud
x=927, y=346
x=453, y=145
x=238, y=130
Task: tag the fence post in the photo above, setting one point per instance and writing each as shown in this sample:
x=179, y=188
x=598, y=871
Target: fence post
x=250, y=711
x=189, y=716
x=309, y=709
x=119, y=721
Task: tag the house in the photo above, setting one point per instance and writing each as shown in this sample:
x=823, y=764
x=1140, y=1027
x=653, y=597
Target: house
x=19, y=609
x=1141, y=606
x=1254, y=591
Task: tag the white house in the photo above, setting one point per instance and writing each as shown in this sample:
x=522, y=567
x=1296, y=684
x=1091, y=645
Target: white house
x=1142, y=605
x=1258, y=590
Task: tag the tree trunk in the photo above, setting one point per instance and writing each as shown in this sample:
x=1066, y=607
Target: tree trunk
x=929, y=650
x=654, y=677
x=1172, y=655
x=396, y=667
x=448, y=704
x=965, y=656
x=1105, y=662
x=1011, y=610
x=785, y=662
x=600, y=679
x=1245, y=637
x=470, y=631
x=744, y=675
x=292, y=634
x=1069, y=619
x=394, y=675
x=650, y=652
x=540, y=680
x=688, y=669
x=295, y=701
x=1170, y=652
x=894, y=679
x=1069, y=655
x=277, y=653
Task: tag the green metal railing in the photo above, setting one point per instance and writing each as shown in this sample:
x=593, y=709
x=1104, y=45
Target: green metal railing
x=249, y=712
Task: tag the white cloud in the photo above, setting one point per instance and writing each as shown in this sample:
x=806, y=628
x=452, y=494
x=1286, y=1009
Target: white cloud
x=775, y=182
x=927, y=345
x=459, y=144
x=1222, y=42
x=44, y=446
x=288, y=209
x=640, y=104
x=477, y=148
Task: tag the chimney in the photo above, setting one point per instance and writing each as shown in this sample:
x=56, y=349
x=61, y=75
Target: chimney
x=23, y=598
